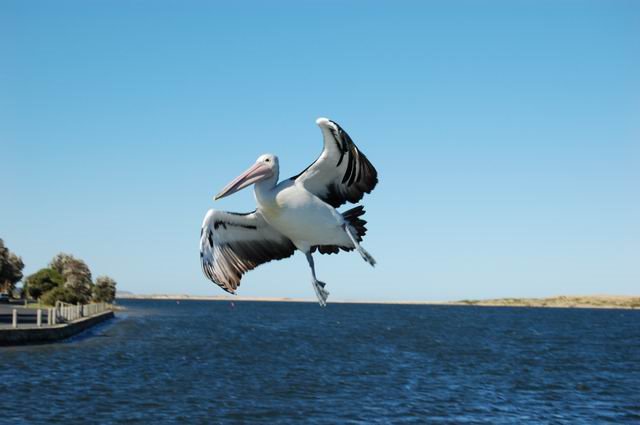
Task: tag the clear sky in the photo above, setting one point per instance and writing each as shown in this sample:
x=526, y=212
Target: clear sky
x=506, y=135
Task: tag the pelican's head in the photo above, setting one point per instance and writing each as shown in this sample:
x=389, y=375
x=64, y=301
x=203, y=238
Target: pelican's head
x=266, y=167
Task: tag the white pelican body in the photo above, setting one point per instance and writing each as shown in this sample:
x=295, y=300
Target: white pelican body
x=301, y=216
x=298, y=213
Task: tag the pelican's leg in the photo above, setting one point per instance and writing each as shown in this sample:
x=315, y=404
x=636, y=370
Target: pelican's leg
x=318, y=286
x=363, y=252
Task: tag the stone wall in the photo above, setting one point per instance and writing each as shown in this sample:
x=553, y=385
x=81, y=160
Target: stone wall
x=34, y=335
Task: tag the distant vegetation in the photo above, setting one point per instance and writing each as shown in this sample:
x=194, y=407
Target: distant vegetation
x=10, y=269
x=67, y=279
x=594, y=301
x=104, y=290
x=43, y=282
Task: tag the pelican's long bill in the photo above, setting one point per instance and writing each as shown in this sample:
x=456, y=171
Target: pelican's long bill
x=258, y=171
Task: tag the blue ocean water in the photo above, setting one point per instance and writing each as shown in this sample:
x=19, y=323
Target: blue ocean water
x=250, y=362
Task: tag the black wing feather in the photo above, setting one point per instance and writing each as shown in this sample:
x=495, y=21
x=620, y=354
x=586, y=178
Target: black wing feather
x=342, y=173
x=231, y=244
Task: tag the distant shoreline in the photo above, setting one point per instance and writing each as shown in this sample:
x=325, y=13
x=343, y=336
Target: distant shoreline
x=593, y=301
x=185, y=297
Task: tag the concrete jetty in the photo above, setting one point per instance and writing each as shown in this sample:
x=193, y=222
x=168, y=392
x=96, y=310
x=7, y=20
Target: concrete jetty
x=21, y=326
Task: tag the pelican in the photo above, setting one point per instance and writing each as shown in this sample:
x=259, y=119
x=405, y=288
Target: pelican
x=297, y=213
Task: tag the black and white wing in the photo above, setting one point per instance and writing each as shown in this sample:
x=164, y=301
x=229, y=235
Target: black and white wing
x=342, y=173
x=231, y=244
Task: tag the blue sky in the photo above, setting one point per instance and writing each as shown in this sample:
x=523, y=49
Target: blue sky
x=506, y=135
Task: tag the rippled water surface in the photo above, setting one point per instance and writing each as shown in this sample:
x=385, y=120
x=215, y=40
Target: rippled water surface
x=210, y=362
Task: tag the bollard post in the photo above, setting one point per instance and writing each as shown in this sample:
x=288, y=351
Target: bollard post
x=39, y=318
x=14, y=320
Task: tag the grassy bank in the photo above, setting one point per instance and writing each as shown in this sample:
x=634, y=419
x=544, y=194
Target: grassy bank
x=594, y=301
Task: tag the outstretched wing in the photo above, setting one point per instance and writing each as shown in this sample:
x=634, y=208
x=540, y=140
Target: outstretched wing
x=232, y=244
x=342, y=173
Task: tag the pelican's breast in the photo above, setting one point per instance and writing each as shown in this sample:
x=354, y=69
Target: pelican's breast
x=301, y=216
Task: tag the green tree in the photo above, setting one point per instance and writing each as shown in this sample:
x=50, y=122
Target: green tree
x=60, y=261
x=83, y=288
x=67, y=264
x=76, y=274
x=104, y=290
x=10, y=269
x=44, y=280
x=59, y=293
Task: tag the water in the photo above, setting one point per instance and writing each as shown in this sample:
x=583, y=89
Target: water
x=209, y=362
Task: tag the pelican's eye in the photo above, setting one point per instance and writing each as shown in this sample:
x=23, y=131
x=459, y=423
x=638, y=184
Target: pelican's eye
x=267, y=160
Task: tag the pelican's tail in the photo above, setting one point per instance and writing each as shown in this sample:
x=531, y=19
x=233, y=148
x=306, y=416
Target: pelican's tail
x=355, y=226
x=355, y=222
